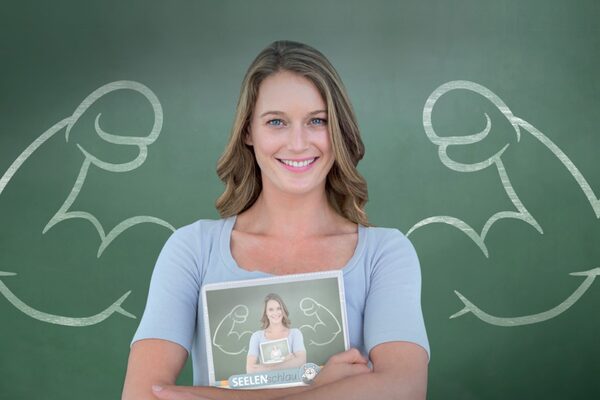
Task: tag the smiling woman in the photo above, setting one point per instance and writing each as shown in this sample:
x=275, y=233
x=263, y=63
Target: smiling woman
x=275, y=325
x=293, y=203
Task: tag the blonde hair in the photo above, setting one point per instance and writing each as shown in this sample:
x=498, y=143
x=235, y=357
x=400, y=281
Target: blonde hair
x=285, y=321
x=237, y=167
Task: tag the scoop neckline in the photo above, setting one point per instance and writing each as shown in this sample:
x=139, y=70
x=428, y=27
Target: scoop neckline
x=232, y=265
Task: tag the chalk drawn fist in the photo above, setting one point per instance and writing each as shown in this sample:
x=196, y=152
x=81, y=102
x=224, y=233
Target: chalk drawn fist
x=325, y=327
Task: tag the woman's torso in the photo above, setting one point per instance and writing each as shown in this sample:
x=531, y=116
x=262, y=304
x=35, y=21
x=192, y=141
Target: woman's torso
x=200, y=253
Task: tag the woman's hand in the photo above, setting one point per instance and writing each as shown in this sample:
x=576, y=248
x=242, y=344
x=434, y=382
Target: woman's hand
x=342, y=365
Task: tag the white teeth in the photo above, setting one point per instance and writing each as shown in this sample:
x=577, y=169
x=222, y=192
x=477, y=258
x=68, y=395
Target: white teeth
x=297, y=164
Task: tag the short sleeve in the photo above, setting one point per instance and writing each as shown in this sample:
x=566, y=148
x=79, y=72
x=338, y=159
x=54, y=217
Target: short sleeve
x=253, y=346
x=171, y=308
x=393, y=305
x=297, y=341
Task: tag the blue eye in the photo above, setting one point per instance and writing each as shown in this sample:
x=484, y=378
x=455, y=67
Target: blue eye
x=275, y=122
x=318, y=121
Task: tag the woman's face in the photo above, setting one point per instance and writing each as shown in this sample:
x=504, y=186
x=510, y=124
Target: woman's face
x=290, y=135
x=274, y=312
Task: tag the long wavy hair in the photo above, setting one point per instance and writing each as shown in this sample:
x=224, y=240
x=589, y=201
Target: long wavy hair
x=237, y=167
x=285, y=321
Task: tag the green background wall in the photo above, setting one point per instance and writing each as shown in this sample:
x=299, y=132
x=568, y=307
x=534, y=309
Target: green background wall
x=539, y=57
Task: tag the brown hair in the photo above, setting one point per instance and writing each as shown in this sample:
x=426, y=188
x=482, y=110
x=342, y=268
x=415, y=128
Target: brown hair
x=284, y=320
x=237, y=167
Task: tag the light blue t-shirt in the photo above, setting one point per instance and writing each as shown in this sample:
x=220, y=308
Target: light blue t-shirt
x=382, y=283
x=295, y=342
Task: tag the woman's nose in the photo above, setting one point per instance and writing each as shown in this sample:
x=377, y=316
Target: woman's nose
x=298, y=138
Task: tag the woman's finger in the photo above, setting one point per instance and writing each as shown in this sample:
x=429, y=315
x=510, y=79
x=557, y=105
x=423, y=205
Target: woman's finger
x=352, y=356
x=359, y=369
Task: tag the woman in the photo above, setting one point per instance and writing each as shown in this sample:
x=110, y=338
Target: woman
x=293, y=202
x=275, y=325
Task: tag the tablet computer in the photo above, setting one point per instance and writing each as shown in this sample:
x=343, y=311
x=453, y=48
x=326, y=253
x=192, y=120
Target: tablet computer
x=241, y=351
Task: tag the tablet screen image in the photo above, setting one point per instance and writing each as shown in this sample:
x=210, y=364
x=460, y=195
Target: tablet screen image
x=274, y=351
x=245, y=351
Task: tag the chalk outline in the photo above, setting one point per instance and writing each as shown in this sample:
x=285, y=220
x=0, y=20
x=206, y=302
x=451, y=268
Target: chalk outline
x=142, y=143
x=522, y=213
x=319, y=321
x=231, y=330
x=444, y=142
x=58, y=319
x=64, y=214
x=533, y=318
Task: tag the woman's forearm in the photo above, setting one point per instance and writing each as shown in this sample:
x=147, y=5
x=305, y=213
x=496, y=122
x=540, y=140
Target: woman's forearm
x=254, y=394
x=383, y=385
x=399, y=371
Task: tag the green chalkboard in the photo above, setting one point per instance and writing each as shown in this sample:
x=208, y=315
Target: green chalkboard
x=480, y=121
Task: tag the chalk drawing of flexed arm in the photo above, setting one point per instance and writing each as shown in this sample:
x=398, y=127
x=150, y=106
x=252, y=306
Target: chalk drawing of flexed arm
x=326, y=326
x=64, y=211
x=227, y=338
x=520, y=212
x=519, y=125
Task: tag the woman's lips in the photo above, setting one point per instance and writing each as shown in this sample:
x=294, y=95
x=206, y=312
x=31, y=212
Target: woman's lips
x=298, y=169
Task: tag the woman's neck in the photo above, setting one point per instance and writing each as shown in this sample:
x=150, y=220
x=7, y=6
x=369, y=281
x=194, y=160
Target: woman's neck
x=289, y=216
x=275, y=328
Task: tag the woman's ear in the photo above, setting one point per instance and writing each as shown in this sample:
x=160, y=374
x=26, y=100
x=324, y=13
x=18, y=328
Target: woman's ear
x=248, y=137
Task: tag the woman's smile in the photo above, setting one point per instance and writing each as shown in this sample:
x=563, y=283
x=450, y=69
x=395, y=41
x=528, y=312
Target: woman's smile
x=298, y=165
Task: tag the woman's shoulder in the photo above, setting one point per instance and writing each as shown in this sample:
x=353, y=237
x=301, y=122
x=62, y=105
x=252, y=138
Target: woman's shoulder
x=205, y=229
x=204, y=225
x=383, y=237
x=259, y=334
x=295, y=332
x=382, y=231
x=389, y=246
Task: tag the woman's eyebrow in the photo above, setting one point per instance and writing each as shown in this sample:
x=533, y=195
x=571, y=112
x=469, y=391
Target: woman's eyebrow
x=282, y=113
x=272, y=112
